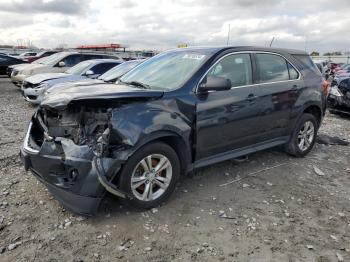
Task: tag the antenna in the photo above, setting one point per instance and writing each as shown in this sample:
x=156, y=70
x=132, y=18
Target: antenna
x=228, y=34
x=273, y=38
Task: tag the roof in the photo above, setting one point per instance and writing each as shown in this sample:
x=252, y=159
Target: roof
x=244, y=48
x=102, y=46
x=105, y=60
x=84, y=53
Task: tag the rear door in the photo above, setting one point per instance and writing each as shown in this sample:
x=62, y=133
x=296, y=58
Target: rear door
x=279, y=87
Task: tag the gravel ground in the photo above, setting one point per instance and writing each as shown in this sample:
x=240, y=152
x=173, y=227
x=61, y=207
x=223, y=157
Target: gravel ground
x=287, y=213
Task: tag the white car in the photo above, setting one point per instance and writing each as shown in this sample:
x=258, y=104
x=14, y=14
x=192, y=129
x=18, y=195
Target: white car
x=33, y=87
x=56, y=63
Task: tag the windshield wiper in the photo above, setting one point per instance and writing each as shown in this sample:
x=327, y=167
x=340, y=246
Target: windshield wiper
x=138, y=84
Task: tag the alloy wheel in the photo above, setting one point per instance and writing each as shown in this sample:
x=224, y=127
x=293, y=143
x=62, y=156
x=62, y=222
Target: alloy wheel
x=306, y=136
x=151, y=177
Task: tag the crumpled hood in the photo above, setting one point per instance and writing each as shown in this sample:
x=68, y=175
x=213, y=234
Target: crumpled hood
x=36, y=79
x=62, y=80
x=60, y=100
x=61, y=87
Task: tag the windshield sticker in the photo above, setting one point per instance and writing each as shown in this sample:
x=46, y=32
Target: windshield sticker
x=193, y=56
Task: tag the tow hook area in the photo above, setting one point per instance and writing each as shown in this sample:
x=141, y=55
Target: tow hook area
x=102, y=178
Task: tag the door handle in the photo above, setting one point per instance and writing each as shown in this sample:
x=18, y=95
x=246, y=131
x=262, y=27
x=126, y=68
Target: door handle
x=251, y=97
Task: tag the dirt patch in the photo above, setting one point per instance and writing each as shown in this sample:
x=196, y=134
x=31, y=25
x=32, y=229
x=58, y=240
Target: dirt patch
x=285, y=213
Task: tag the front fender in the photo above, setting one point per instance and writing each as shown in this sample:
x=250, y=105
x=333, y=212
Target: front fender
x=136, y=125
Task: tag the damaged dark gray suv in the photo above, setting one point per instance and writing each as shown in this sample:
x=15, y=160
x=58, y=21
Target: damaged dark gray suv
x=178, y=111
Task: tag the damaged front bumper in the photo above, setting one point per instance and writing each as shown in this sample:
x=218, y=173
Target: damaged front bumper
x=72, y=173
x=33, y=95
x=17, y=78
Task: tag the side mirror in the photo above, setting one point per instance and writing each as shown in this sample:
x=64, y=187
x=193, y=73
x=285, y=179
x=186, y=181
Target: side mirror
x=61, y=64
x=215, y=83
x=89, y=73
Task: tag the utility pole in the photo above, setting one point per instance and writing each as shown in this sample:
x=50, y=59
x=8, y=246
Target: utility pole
x=305, y=42
x=228, y=34
x=273, y=38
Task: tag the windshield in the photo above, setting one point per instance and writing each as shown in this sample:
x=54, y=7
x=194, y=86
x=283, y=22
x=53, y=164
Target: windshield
x=80, y=68
x=118, y=71
x=40, y=60
x=166, y=71
x=43, y=60
x=53, y=59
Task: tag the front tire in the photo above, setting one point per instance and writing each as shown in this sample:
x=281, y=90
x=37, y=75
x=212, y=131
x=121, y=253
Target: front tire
x=303, y=137
x=150, y=175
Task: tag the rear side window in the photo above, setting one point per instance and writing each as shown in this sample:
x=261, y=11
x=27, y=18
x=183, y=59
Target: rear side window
x=272, y=68
x=102, y=68
x=308, y=64
x=72, y=60
x=236, y=67
x=293, y=73
x=49, y=53
x=92, y=56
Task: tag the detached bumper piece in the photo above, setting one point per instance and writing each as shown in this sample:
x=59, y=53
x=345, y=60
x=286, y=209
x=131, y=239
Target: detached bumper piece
x=102, y=177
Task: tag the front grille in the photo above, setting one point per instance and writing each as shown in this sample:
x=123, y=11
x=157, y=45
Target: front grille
x=28, y=85
x=32, y=97
x=9, y=71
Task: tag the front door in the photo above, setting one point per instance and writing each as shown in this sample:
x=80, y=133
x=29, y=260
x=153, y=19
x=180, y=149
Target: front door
x=228, y=120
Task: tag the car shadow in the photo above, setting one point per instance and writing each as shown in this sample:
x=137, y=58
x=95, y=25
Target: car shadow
x=216, y=174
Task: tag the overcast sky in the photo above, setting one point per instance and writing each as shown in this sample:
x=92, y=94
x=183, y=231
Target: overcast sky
x=321, y=25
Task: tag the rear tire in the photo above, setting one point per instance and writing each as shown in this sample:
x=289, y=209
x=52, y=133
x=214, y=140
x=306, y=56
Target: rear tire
x=150, y=175
x=303, y=137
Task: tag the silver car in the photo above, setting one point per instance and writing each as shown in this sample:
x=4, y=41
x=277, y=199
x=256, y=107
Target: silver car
x=110, y=76
x=33, y=87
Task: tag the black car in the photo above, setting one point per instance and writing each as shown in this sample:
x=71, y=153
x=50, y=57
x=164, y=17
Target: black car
x=339, y=97
x=176, y=112
x=6, y=61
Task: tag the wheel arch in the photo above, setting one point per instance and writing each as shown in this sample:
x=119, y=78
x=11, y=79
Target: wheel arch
x=176, y=142
x=314, y=110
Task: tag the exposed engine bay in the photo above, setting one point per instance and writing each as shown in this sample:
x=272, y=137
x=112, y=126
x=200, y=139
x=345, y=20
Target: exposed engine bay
x=80, y=124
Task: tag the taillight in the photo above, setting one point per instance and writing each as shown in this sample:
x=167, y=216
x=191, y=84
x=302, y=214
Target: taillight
x=325, y=87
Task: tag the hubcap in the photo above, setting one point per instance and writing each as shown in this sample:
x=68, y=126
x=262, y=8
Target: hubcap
x=151, y=177
x=306, y=136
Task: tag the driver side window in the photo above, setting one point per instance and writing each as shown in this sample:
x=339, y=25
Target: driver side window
x=72, y=60
x=236, y=67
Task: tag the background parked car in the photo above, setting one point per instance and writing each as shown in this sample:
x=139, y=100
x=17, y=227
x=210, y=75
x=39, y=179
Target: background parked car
x=26, y=54
x=343, y=69
x=32, y=58
x=34, y=86
x=324, y=67
x=334, y=66
x=23, y=65
x=339, y=97
x=6, y=61
x=55, y=63
x=110, y=76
